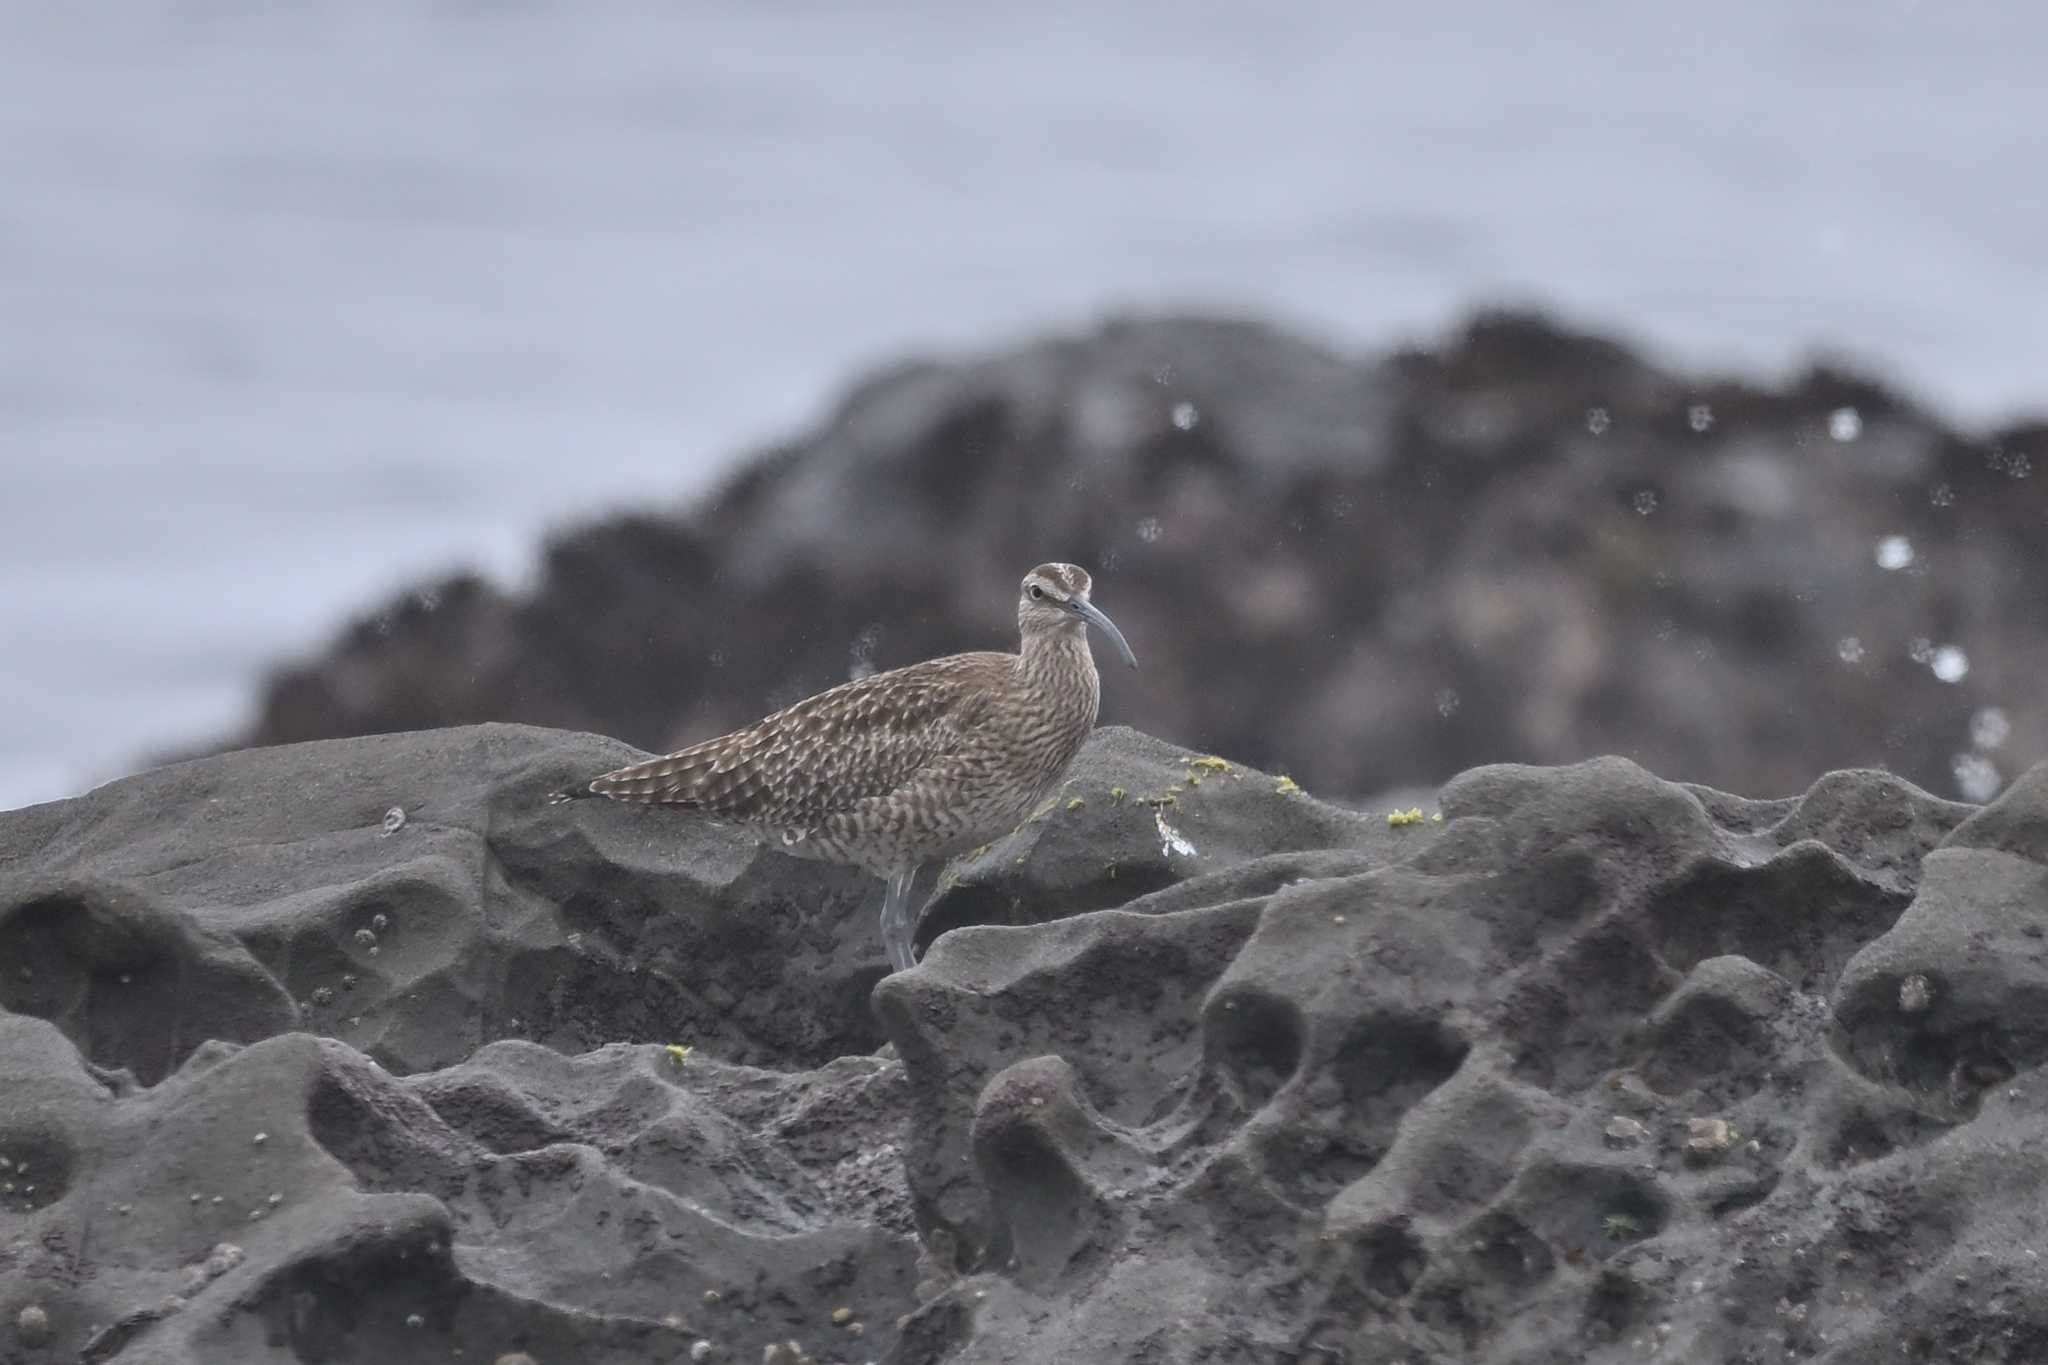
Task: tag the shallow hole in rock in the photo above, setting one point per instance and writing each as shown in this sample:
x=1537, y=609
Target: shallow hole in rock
x=666, y=958
x=1311, y=1166
x=1534, y=907
x=1473, y=1285
x=1449, y=1308
x=1004, y=900
x=1862, y=1136
x=1255, y=1043
x=1465, y=1157
x=1390, y=1258
x=1126, y=1012
x=307, y=962
x=134, y=1018
x=1591, y=1210
x=38, y=1169
x=574, y=1001
x=1613, y=1304
x=368, y=1299
x=1388, y=1061
x=1044, y=1207
x=104, y=972
x=1635, y=1210
x=1713, y=1047
x=37, y=942
x=1232, y=1208
x=405, y=917
x=1950, y=1069
x=1505, y=1251
x=1577, y=1012
x=1803, y=915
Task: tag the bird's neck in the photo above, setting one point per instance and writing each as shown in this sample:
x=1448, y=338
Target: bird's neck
x=1058, y=657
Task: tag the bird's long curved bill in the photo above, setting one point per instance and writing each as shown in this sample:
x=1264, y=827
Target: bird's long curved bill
x=1092, y=614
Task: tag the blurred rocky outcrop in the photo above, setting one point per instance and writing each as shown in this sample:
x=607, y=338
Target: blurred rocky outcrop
x=1525, y=545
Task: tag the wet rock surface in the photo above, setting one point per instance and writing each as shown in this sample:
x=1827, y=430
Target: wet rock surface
x=1598, y=1067
x=1523, y=544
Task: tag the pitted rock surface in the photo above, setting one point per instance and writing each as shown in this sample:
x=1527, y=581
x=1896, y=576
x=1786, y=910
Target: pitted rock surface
x=1366, y=1113
x=236, y=898
x=292, y=1201
x=1598, y=1067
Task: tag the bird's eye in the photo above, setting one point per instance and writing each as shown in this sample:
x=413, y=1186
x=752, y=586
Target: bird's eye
x=1037, y=592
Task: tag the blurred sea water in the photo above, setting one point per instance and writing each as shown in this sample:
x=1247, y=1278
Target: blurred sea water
x=300, y=302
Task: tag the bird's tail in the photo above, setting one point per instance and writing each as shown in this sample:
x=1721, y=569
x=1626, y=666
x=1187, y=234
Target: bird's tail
x=669, y=780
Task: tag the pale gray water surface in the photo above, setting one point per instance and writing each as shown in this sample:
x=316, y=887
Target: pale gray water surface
x=299, y=301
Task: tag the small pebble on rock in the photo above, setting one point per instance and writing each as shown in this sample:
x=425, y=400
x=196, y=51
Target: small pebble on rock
x=1916, y=994
x=32, y=1325
x=1622, y=1131
x=1706, y=1139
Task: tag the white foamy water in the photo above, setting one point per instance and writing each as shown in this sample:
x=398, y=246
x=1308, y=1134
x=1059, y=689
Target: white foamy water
x=299, y=301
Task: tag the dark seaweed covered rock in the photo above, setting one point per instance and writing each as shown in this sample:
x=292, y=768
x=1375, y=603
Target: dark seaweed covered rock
x=1524, y=544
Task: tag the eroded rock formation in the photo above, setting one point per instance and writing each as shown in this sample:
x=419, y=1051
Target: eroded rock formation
x=1196, y=1068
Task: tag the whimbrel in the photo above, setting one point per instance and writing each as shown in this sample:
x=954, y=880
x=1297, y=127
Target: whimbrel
x=919, y=764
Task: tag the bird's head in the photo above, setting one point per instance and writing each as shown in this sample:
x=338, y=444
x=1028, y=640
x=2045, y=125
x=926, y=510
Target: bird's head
x=1054, y=599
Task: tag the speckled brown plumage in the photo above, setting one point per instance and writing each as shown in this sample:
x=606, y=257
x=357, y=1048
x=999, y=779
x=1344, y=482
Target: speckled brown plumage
x=911, y=766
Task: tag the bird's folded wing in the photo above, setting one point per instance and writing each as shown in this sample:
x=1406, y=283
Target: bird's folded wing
x=826, y=754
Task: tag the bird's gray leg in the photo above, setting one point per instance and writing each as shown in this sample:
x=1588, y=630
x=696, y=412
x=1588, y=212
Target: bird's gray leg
x=897, y=924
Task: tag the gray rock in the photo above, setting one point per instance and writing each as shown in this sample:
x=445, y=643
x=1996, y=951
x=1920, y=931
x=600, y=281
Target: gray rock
x=1278, y=1081
x=567, y=1206
x=429, y=1157
x=218, y=899
x=1365, y=1115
